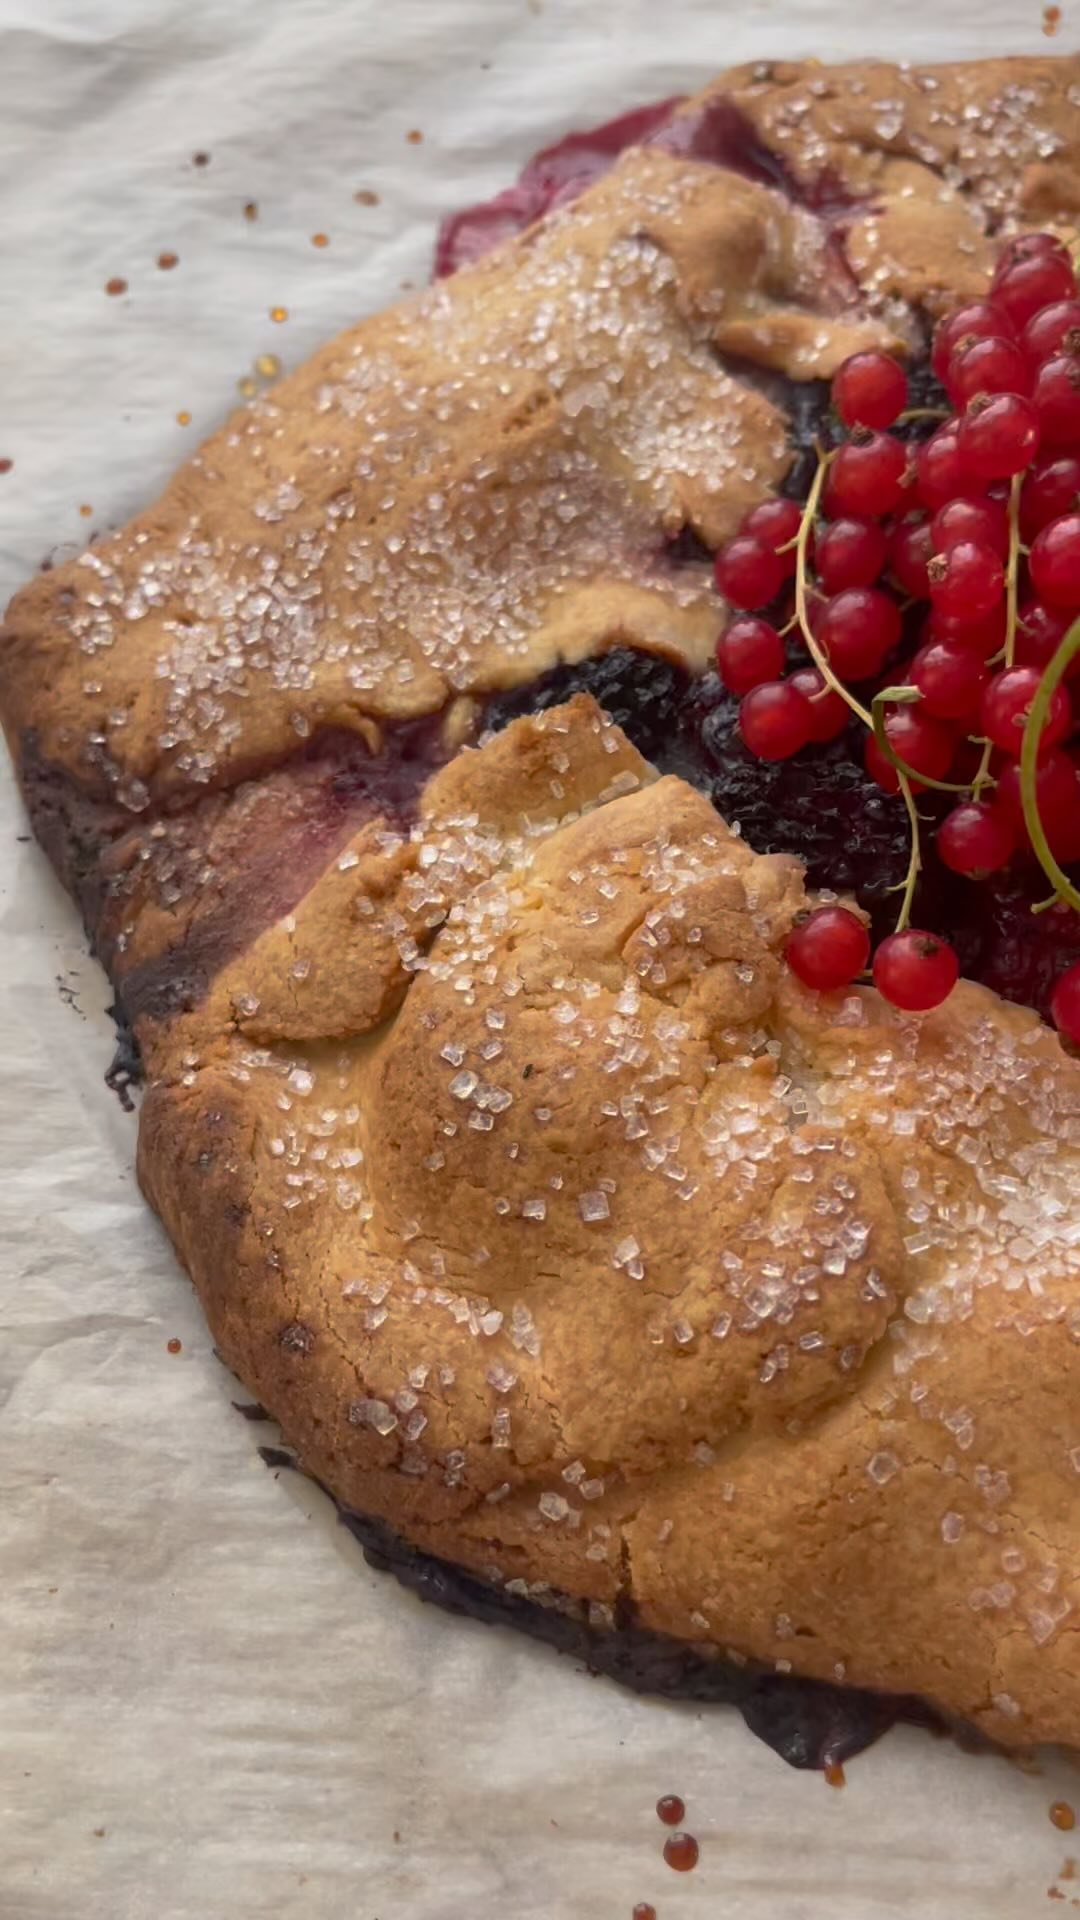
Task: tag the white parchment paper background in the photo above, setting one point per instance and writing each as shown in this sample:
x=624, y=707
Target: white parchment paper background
x=210, y=1709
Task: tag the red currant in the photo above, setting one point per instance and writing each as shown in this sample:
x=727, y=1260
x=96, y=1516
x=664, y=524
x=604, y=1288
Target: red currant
x=774, y=720
x=921, y=742
x=1065, y=1004
x=1051, y=488
x=1023, y=245
x=869, y=390
x=868, y=475
x=950, y=678
x=1024, y=284
x=857, y=629
x=995, y=365
x=1054, y=562
x=998, y=436
x=984, y=636
x=827, y=948
x=915, y=970
x=984, y=521
x=1057, y=400
x=940, y=474
x=1039, y=633
x=850, y=553
x=748, y=573
x=829, y=714
x=1048, y=331
x=910, y=551
x=975, y=839
x=748, y=652
x=776, y=524
x=1006, y=703
x=978, y=321
x=1057, y=790
x=966, y=580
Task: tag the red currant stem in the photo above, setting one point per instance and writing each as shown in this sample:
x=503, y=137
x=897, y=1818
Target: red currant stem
x=790, y=627
x=802, y=544
x=983, y=776
x=1044, y=906
x=1013, y=568
x=922, y=413
x=914, y=858
x=1053, y=674
x=906, y=697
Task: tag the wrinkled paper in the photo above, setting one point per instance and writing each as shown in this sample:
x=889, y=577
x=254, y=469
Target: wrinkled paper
x=209, y=1705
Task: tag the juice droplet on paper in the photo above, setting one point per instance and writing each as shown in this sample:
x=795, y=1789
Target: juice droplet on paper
x=671, y=1809
x=116, y=286
x=834, y=1774
x=173, y=1345
x=681, y=1852
x=1062, y=1816
x=166, y=261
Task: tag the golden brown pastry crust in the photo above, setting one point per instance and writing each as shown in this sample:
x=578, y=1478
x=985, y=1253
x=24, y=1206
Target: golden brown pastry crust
x=557, y=1225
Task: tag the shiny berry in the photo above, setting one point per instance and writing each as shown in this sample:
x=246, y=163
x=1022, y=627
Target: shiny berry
x=920, y=741
x=1054, y=562
x=950, y=678
x=910, y=552
x=940, y=474
x=1006, y=703
x=984, y=636
x=986, y=366
x=867, y=475
x=1024, y=245
x=748, y=652
x=1057, y=400
x=869, y=390
x=857, y=630
x=850, y=553
x=975, y=839
x=984, y=521
x=749, y=573
x=1048, y=331
x=776, y=524
x=1057, y=802
x=829, y=715
x=967, y=580
x=977, y=321
x=1051, y=487
x=774, y=720
x=1039, y=633
x=914, y=970
x=1022, y=285
x=998, y=436
x=827, y=948
x=1065, y=1005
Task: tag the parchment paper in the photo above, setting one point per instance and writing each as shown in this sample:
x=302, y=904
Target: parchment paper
x=209, y=1706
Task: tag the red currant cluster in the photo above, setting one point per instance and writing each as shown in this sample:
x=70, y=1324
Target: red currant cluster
x=980, y=525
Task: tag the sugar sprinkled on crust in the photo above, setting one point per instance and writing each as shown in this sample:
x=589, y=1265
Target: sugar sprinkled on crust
x=558, y=1225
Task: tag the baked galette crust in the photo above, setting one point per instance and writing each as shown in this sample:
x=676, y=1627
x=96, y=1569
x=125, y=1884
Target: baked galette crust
x=558, y=1226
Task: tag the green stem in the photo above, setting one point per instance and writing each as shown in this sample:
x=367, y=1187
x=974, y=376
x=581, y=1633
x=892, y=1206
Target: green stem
x=1053, y=674
x=906, y=697
x=802, y=546
x=914, y=858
